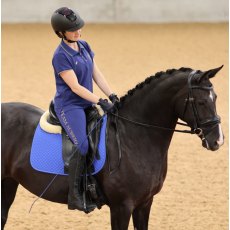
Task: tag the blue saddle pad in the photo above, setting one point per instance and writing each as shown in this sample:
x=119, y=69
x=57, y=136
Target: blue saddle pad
x=46, y=151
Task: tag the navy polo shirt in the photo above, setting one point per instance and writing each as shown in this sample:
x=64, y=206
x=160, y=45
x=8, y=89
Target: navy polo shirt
x=66, y=58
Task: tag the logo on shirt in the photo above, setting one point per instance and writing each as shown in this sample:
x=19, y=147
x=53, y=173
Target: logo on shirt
x=76, y=62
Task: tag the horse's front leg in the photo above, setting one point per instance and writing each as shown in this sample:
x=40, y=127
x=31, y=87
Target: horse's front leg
x=141, y=215
x=120, y=216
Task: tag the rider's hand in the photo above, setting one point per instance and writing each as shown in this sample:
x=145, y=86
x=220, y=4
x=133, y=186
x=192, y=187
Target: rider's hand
x=105, y=105
x=113, y=98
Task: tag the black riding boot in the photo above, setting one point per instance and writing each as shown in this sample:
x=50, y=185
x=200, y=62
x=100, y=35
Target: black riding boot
x=75, y=196
x=76, y=167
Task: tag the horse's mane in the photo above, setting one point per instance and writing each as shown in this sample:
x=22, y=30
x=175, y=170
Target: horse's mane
x=149, y=79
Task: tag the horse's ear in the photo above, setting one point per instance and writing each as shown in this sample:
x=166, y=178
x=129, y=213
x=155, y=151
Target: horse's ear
x=211, y=73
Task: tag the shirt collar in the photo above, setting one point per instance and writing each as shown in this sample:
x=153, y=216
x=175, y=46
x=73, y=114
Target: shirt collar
x=71, y=51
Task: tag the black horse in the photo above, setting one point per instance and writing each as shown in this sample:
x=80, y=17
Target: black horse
x=146, y=118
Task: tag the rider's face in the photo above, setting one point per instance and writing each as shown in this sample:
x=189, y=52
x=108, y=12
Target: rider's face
x=73, y=35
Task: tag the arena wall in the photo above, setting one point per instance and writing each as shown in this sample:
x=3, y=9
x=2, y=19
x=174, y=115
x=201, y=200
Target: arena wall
x=119, y=11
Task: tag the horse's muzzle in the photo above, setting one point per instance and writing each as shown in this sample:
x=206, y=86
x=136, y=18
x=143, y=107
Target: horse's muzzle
x=216, y=144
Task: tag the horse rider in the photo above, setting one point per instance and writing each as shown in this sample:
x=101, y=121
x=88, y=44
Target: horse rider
x=75, y=69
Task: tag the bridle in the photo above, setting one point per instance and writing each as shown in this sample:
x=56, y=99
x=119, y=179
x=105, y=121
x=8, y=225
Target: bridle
x=198, y=124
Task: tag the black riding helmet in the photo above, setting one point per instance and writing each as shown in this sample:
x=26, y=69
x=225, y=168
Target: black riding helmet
x=65, y=19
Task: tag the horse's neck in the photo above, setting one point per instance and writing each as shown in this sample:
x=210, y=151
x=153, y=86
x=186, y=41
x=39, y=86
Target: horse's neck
x=152, y=106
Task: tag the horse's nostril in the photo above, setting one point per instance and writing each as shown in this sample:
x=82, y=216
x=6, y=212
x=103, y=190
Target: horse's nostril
x=215, y=146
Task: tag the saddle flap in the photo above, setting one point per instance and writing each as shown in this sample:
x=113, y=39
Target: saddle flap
x=93, y=118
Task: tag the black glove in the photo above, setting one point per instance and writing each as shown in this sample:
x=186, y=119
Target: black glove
x=105, y=105
x=113, y=98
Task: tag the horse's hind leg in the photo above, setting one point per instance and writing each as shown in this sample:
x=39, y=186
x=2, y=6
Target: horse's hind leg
x=141, y=215
x=8, y=192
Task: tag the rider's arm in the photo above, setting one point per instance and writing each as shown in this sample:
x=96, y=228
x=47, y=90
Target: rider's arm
x=71, y=80
x=99, y=79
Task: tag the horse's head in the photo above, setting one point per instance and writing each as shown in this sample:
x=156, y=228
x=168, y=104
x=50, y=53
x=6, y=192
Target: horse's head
x=196, y=105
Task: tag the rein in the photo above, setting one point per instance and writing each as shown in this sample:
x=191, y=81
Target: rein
x=155, y=126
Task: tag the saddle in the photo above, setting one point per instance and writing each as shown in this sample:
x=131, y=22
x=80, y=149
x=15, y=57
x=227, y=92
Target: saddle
x=93, y=132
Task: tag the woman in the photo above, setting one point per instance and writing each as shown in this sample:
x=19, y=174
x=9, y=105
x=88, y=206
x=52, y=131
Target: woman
x=75, y=70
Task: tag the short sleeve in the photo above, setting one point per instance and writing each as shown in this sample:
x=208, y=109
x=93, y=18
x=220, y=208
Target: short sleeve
x=88, y=48
x=61, y=63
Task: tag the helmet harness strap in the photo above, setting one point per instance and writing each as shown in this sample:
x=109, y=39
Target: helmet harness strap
x=65, y=38
x=62, y=36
